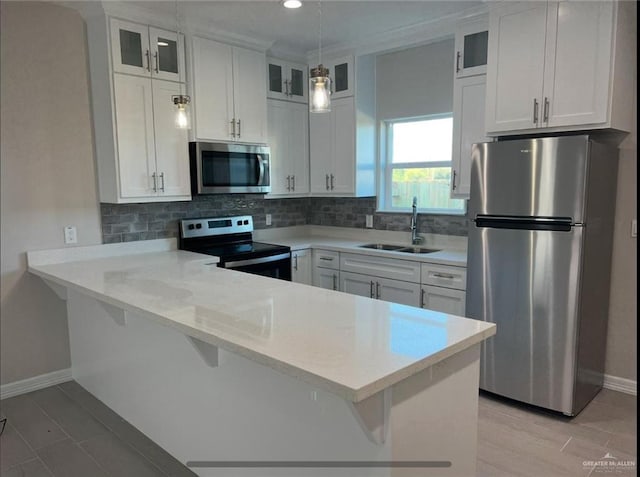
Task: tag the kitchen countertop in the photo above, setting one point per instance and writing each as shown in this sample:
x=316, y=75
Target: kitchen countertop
x=352, y=346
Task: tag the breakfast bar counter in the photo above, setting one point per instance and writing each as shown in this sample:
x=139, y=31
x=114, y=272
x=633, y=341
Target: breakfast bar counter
x=226, y=369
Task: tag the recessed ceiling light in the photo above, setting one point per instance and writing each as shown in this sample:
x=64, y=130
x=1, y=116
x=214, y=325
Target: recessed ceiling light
x=291, y=3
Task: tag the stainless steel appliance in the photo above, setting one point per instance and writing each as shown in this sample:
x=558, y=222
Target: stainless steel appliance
x=231, y=239
x=539, y=264
x=219, y=168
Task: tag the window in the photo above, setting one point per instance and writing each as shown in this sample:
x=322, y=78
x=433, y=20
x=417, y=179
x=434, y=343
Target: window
x=417, y=163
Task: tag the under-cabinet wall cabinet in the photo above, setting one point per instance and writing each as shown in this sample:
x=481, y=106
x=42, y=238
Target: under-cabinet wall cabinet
x=559, y=66
x=135, y=69
x=229, y=92
x=289, y=144
x=343, y=142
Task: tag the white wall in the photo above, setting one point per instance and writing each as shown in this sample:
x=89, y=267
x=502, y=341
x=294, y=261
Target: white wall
x=415, y=82
x=47, y=173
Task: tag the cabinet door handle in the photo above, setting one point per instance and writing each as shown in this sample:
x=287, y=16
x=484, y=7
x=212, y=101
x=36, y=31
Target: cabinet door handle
x=535, y=111
x=335, y=281
x=157, y=67
x=148, y=60
x=371, y=289
x=331, y=175
x=453, y=183
x=155, y=182
x=162, y=181
x=327, y=180
x=288, y=183
x=444, y=275
x=422, y=298
x=295, y=263
x=239, y=128
x=545, y=114
x=457, y=62
x=293, y=183
x=377, y=290
x=233, y=127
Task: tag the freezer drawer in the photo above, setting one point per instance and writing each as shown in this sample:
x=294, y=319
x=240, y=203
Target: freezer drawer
x=527, y=282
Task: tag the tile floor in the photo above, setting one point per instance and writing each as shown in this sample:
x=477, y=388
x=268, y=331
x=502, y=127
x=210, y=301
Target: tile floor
x=64, y=431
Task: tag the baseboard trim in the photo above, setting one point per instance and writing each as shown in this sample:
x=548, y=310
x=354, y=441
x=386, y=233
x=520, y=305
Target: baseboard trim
x=623, y=385
x=33, y=384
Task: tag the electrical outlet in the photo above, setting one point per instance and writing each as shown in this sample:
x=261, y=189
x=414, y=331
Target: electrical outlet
x=368, y=221
x=634, y=228
x=70, y=234
x=267, y=219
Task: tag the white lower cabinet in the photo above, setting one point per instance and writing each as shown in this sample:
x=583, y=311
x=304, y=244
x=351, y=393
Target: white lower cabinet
x=326, y=269
x=443, y=288
x=301, y=266
x=446, y=300
x=395, y=291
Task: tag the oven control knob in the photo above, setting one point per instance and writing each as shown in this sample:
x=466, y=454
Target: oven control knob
x=246, y=222
x=191, y=227
x=198, y=226
x=239, y=222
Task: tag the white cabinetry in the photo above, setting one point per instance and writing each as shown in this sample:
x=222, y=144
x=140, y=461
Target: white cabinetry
x=443, y=288
x=287, y=81
x=229, y=89
x=393, y=280
x=342, y=142
x=326, y=269
x=559, y=66
x=342, y=76
x=471, y=48
x=135, y=69
x=289, y=144
x=301, y=266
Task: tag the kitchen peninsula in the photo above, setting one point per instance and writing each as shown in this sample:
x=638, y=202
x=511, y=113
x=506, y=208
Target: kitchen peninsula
x=227, y=369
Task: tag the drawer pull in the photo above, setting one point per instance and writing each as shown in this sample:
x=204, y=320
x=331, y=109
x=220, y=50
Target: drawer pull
x=444, y=275
x=328, y=259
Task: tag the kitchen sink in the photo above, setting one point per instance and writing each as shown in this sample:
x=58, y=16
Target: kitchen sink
x=417, y=250
x=398, y=248
x=382, y=246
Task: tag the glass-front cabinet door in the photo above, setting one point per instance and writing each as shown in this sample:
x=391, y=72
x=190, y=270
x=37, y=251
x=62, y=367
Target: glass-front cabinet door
x=130, y=48
x=286, y=81
x=471, y=48
x=167, y=57
x=146, y=51
x=341, y=73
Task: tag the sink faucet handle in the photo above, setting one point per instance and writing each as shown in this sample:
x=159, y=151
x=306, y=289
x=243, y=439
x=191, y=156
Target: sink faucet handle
x=415, y=202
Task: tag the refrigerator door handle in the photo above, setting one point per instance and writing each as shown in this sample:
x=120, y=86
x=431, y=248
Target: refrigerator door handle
x=560, y=224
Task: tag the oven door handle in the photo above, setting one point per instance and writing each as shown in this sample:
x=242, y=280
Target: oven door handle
x=257, y=261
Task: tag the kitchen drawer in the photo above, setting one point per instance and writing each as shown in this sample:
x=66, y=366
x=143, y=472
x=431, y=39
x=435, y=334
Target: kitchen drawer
x=444, y=276
x=326, y=259
x=381, y=267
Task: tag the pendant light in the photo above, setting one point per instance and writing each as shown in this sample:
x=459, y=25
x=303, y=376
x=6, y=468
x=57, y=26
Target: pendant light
x=181, y=101
x=319, y=81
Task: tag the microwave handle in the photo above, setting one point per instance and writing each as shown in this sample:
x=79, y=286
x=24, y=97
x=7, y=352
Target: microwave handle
x=260, y=169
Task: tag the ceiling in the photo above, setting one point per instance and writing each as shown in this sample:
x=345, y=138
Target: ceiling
x=343, y=21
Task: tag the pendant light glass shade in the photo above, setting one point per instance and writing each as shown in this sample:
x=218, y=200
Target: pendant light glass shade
x=182, y=114
x=320, y=90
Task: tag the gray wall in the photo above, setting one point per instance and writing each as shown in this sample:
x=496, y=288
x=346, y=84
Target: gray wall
x=48, y=178
x=415, y=82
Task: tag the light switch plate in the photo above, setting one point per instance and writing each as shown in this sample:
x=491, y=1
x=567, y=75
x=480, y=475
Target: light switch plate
x=369, y=221
x=267, y=219
x=634, y=228
x=70, y=235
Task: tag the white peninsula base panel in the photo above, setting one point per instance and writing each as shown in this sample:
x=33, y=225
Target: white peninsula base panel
x=207, y=411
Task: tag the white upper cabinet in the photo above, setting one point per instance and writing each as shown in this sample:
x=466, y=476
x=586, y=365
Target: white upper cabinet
x=342, y=142
x=560, y=66
x=146, y=51
x=135, y=70
x=289, y=144
x=341, y=72
x=229, y=85
x=471, y=48
x=287, y=81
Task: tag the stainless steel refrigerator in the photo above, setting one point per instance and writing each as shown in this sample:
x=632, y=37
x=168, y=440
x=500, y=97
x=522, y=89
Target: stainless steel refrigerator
x=539, y=265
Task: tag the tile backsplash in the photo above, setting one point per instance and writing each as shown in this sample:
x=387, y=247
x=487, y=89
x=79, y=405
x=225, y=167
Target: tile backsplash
x=130, y=222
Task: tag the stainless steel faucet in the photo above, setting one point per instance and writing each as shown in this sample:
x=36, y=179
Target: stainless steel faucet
x=415, y=238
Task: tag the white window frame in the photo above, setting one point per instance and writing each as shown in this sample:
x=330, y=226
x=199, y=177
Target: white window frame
x=386, y=168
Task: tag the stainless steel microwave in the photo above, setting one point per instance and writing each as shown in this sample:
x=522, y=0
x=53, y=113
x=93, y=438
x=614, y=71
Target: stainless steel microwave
x=220, y=168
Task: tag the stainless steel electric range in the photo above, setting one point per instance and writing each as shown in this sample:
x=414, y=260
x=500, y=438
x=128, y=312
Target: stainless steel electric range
x=231, y=239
